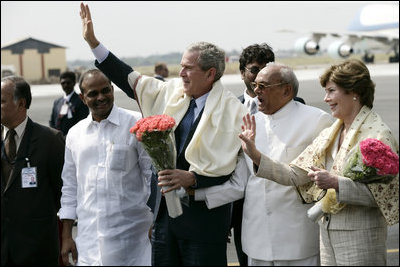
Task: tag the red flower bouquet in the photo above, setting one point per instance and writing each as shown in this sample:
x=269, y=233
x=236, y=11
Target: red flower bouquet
x=372, y=161
x=156, y=135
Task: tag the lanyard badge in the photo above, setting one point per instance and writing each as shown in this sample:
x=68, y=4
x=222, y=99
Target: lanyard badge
x=28, y=176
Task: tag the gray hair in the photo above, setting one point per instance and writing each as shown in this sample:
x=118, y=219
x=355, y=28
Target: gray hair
x=210, y=56
x=22, y=89
x=287, y=75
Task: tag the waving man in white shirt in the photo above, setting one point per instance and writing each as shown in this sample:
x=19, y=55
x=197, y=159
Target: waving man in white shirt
x=275, y=227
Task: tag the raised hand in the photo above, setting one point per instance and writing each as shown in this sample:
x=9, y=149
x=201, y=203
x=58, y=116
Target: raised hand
x=248, y=137
x=87, y=26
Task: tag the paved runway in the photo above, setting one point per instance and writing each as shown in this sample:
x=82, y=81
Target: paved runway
x=386, y=103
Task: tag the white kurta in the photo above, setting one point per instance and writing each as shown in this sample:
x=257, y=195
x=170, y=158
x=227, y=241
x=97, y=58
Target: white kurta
x=275, y=225
x=106, y=180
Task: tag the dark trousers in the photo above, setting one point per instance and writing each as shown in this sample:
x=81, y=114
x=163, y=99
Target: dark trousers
x=237, y=215
x=169, y=250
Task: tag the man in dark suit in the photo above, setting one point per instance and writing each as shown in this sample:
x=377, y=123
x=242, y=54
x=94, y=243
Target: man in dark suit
x=32, y=157
x=69, y=109
x=206, y=157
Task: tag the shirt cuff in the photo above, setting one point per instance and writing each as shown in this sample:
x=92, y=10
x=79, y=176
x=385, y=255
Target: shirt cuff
x=100, y=52
x=343, y=191
x=67, y=213
x=200, y=194
x=195, y=185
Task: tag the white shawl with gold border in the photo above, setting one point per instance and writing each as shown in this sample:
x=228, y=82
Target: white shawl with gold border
x=214, y=147
x=367, y=124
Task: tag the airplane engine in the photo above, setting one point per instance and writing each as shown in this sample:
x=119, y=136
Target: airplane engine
x=340, y=49
x=307, y=46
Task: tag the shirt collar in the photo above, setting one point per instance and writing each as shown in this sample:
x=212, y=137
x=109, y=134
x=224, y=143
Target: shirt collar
x=19, y=130
x=68, y=97
x=159, y=76
x=284, y=111
x=248, y=99
x=112, y=117
x=201, y=101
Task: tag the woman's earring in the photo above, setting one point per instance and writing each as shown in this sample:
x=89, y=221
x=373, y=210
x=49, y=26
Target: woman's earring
x=354, y=98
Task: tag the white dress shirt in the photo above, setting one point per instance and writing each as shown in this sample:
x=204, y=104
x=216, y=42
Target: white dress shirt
x=106, y=184
x=67, y=99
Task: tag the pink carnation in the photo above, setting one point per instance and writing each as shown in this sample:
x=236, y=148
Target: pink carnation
x=152, y=123
x=378, y=155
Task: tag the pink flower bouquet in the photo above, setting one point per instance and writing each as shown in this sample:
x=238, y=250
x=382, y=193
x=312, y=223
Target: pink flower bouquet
x=372, y=162
x=155, y=133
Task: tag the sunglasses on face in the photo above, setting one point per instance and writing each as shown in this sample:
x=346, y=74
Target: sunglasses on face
x=253, y=70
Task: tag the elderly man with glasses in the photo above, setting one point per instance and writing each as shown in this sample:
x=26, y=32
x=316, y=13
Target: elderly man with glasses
x=252, y=59
x=275, y=227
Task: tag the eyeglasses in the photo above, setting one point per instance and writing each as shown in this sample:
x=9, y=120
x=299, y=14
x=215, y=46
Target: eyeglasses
x=263, y=86
x=253, y=70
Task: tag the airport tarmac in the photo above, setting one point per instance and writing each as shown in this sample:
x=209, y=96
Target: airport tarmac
x=386, y=103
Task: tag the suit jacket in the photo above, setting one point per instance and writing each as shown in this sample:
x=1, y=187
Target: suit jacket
x=361, y=206
x=299, y=99
x=29, y=230
x=197, y=221
x=159, y=77
x=79, y=111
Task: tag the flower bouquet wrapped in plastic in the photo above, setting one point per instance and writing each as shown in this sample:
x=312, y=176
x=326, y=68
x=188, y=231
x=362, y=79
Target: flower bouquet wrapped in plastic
x=155, y=133
x=371, y=161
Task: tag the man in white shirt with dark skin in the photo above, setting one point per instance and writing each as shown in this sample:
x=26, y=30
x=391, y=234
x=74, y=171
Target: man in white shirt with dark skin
x=275, y=227
x=106, y=180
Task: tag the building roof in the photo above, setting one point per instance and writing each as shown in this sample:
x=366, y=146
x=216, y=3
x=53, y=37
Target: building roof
x=30, y=43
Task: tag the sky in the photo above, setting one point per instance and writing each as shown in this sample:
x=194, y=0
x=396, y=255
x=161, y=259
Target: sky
x=143, y=28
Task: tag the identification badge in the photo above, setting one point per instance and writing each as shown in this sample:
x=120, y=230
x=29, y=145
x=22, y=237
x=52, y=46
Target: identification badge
x=29, y=178
x=64, y=109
